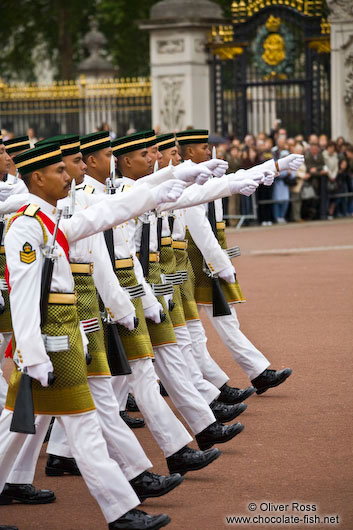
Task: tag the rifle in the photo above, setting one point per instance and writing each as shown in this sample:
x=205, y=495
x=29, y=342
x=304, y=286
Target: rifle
x=220, y=305
x=23, y=414
x=116, y=354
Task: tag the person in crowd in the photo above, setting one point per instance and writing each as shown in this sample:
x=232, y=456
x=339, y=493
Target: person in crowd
x=331, y=161
x=281, y=193
x=323, y=141
x=343, y=180
x=298, y=178
x=317, y=178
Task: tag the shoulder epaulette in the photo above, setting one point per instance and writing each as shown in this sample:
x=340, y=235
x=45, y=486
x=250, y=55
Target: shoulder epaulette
x=126, y=187
x=89, y=189
x=31, y=210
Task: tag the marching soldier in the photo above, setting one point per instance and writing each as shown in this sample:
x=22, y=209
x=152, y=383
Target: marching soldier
x=134, y=162
x=68, y=398
x=206, y=251
x=169, y=433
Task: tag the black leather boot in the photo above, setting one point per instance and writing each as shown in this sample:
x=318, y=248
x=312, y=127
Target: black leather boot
x=217, y=433
x=269, y=379
x=232, y=395
x=133, y=423
x=188, y=459
x=57, y=466
x=25, y=494
x=139, y=520
x=224, y=412
x=149, y=484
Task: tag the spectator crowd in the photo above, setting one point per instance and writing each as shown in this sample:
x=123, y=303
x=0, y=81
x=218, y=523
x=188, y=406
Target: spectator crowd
x=320, y=189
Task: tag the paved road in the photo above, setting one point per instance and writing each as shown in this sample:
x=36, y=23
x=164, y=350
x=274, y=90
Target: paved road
x=297, y=442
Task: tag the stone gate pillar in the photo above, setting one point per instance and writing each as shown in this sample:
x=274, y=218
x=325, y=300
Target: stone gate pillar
x=341, y=19
x=179, y=62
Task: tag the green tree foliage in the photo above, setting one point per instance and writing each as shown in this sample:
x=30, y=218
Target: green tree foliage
x=54, y=30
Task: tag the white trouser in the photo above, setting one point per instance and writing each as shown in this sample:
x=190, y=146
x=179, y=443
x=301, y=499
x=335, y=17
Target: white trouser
x=208, y=391
x=209, y=368
x=249, y=358
x=122, y=444
x=4, y=340
x=168, y=431
x=121, y=389
x=24, y=468
x=104, y=479
x=172, y=370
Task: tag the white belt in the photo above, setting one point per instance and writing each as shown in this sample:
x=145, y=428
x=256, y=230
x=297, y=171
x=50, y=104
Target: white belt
x=90, y=325
x=3, y=285
x=135, y=291
x=53, y=344
x=233, y=252
x=162, y=289
x=173, y=278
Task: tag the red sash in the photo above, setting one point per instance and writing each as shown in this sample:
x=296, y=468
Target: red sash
x=60, y=238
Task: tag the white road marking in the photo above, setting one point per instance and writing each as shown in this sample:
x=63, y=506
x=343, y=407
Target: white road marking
x=298, y=250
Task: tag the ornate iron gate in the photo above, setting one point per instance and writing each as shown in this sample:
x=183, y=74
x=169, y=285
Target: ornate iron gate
x=273, y=62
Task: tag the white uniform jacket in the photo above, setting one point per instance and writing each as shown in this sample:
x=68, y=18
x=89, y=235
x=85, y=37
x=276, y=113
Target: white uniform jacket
x=23, y=246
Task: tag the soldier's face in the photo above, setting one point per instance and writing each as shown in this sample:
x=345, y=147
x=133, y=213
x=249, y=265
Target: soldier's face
x=103, y=162
x=5, y=161
x=140, y=164
x=75, y=167
x=51, y=183
x=155, y=155
x=171, y=154
x=200, y=153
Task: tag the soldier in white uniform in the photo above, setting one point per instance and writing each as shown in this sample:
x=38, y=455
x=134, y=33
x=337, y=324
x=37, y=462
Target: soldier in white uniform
x=169, y=433
x=207, y=250
x=69, y=397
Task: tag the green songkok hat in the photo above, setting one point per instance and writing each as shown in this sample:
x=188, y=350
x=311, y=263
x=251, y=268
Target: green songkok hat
x=193, y=136
x=150, y=136
x=14, y=145
x=38, y=158
x=128, y=144
x=90, y=143
x=69, y=143
x=165, y=141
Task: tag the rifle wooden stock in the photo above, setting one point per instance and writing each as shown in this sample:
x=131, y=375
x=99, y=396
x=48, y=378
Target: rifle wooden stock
x=220, y=305
x=144, y=255
x=116, y=354
x=23, y=414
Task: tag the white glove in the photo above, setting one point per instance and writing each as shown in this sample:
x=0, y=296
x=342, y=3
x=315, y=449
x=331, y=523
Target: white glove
x=268, y=177
x=154, y=312
x=217, y=166
x=168, y=191
x=40, y=372
x=5, y=191
x=2, y=303
x=190, y=172
x=227, y=274
x=128, y=321
x=290, y=162
x=245, y=187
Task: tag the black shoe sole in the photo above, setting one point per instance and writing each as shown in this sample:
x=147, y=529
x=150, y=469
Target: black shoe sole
x=196, y=467
x=139, y=426
x=5, y=500
x=245, y=395
x=284, y=377
x=161, y=493
x=224, y=419
x=53, y=472
x=207, y=445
